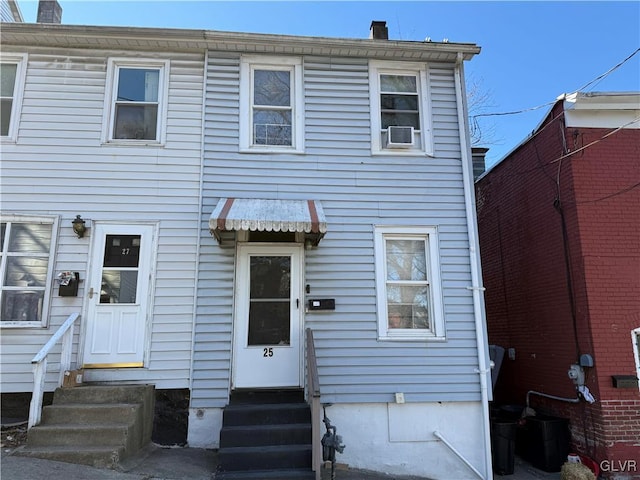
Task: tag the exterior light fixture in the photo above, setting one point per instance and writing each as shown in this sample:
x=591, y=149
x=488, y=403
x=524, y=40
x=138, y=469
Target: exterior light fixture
x=79, y=226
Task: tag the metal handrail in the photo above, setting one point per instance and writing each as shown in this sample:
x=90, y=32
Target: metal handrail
x=313, y=398
x=39, y=362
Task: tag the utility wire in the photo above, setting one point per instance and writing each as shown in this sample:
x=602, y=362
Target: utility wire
x=637, y=119
x=595, y=80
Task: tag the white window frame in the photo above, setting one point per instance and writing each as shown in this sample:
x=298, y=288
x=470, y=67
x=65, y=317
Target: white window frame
x=113, y=68
x=19, y=218
x=250, y=63
x=420, y=70
x=635, y=341
x=429, y=234
x=20, y=60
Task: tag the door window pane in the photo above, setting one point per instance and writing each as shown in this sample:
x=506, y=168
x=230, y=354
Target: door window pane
x=119, y=286
x=122, y=251
x=269, y=300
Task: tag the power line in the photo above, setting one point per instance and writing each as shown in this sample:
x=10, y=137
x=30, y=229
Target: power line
x=595, y=80
x=637, y=119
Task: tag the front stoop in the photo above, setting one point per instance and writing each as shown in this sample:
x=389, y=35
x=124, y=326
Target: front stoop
x=97, y=425
x=265, y=435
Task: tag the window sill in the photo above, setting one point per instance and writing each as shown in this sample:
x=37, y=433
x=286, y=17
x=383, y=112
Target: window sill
x=22, y=325
x=133, y=143
x=414, y=337
x=268, y=150
x=400, y=152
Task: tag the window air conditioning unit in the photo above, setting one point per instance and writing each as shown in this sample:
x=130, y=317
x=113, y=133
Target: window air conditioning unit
x=399, y=137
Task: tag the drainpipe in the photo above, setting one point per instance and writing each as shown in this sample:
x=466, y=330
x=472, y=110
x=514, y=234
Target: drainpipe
x=474, y=251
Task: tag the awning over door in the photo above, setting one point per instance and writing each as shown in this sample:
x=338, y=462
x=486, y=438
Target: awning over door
x=252, y=214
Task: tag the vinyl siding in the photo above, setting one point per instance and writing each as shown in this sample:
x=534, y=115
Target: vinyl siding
x=357, y=191
x=58, y=166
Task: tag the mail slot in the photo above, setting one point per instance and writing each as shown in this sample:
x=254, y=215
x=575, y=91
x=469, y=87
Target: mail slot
x=322, y=304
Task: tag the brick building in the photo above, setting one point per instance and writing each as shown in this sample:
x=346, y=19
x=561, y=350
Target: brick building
x=559, y=229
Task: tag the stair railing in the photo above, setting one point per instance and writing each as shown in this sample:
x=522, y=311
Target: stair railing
x=39, y=363
x=313, y=399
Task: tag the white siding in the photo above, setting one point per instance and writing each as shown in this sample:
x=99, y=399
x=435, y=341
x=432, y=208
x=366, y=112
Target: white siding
x=357, y=191
x=58, y=166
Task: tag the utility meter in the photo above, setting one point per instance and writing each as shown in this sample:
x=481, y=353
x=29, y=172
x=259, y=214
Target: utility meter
x=576, y=373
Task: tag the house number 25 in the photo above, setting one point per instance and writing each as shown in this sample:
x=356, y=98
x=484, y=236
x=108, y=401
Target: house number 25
x=267, y=352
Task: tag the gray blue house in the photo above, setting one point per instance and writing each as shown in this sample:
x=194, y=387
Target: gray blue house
x=238, y=190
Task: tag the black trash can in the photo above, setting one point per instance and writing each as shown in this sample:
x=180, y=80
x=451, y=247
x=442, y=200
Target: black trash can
x=547, y=442
x=503, y=446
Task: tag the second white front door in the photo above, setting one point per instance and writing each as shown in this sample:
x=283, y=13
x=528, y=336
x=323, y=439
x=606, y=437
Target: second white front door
x=118, y=290
x=268, y=316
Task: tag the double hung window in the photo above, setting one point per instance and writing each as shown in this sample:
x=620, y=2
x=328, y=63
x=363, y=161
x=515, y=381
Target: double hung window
x=400, y=115
x=11, y=83
x=271, y=104
x=26, y=269
x=138, y=101
x=408, y=283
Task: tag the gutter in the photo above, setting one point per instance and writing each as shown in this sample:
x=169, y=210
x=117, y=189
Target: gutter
x=474, y=253
x=82, y=36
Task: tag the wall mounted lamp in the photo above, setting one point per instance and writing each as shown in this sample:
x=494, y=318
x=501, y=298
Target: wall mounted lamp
x=79, y=226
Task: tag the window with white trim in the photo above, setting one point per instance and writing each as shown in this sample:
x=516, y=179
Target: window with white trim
x=137, y=106
x=26, y=269
x=271, y=104
x=409, y=293
x=400, y=114
x=11, y=87
x=635, y=339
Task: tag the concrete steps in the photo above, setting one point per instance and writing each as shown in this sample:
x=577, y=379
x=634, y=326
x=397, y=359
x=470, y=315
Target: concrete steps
x=97, y=425
x=265, y=435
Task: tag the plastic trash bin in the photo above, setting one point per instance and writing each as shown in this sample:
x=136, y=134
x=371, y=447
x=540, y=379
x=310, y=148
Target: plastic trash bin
x=503, y=446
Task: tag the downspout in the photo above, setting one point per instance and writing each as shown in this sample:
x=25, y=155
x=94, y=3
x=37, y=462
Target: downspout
x=199, y=226
x=474, y=252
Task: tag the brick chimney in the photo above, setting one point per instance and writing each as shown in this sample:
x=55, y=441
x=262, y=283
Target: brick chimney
x=49, y=11
x=379, y=31
x=477, y=157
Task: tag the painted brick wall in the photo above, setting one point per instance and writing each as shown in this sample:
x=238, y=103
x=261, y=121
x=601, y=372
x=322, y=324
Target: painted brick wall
x=528, y=299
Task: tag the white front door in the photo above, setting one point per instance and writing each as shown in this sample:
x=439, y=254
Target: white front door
x=268, y=316
x=118, y=291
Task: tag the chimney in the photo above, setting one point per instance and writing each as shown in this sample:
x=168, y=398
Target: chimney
x=49, y=11
x=477, y=157
x=379, y=31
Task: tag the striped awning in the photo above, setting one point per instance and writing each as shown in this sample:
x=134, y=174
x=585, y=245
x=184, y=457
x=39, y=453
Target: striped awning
x=252, y=214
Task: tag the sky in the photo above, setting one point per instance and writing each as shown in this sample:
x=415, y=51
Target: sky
x=532, y=51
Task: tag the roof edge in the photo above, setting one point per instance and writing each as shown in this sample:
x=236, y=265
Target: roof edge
x=140, y=37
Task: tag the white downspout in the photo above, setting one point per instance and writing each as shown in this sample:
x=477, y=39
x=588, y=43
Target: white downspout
x=474, y=251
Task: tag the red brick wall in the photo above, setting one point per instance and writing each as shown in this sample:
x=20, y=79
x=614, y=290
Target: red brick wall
x=528, y=302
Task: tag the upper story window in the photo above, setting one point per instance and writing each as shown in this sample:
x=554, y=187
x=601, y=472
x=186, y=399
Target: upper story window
x=271, y=104
x=400, y=115
x=26, y=269
x=138, y=101
x=408, y=283
x=11, y=87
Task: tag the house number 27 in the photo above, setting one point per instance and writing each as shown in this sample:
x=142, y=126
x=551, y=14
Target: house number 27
x=267, y=352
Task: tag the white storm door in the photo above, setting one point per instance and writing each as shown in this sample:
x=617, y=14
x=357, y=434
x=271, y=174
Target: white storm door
x=118, y=292
x=268, y=316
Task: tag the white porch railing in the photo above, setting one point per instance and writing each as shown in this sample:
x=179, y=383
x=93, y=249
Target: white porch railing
x=39, y=362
